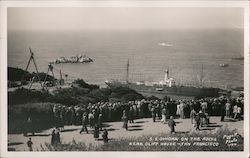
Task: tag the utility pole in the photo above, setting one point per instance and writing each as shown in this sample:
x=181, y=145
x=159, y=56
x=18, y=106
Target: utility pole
x=50, y=69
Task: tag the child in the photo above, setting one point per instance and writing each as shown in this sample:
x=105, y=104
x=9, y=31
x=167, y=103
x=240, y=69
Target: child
x=105, y=136
x=29, y=144
x=171, y=124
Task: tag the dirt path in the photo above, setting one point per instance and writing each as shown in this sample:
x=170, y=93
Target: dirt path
x=139, y=128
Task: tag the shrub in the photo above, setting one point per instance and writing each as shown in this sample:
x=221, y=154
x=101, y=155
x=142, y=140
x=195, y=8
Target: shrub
x=81, y=83
x=124, y=94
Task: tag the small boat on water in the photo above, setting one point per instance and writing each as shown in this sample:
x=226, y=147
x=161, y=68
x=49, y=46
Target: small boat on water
x=224, y=65
x=73, y=59
x=163, y=44
x=238, y=58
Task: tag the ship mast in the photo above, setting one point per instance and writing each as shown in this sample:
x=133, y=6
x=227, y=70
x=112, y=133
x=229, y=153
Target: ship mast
x=202, y=76
x=127, y=75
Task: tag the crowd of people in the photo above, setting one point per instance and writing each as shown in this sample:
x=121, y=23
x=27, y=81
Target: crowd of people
x=93, y=115
x=96, y=113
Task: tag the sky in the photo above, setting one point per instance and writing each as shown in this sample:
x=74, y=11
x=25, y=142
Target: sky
x=123, y=18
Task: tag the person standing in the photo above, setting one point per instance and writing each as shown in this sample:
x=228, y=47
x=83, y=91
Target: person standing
x=222, y=112
x=182, y=110
x=91, y=120
x=228, y=109
x=172, y=124
x=197, y=122
x=29, y=144
x=178, y=113
x=105, y=136
x=153, y=112
x=96, y=132
x=131, y=115
x=239, y=113
x=125, y=120
x=72, y=115
x=57, y=137
x=158, y=110
x=100, y=121
x=53, y=137
x=163, y=114
x=192, y=116
x=84, y=123
x=235, y=111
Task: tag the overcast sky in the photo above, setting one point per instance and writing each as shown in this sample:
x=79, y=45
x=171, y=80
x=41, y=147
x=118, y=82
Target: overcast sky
x=123, y=18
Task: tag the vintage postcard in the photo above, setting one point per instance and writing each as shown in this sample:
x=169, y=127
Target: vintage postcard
x=124, y=78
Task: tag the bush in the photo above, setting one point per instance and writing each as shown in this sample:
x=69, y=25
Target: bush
x=81, y=83
x=124, y=94
x=16, y=74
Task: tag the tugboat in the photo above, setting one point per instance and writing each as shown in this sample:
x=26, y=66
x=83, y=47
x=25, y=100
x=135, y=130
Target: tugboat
x=73, y=59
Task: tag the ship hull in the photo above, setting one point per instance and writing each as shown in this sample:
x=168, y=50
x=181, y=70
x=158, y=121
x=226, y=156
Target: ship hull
x=171, y=91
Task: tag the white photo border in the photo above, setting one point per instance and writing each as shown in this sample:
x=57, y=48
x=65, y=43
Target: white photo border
x=3, y=75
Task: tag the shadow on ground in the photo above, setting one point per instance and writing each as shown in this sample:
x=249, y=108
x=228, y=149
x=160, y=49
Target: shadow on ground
x=141, y=121
x=206, y=128
x=135, y=129
x=111, y=129
x=70, y=130
x=214, y=125
x=106, y=125
x=15, y=143
x=135, y=126
x=182, y=132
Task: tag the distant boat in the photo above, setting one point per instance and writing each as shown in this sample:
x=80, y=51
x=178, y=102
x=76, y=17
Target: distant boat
x=163, y=44
x=73, y=59
x=224, y=65
x=238, y=58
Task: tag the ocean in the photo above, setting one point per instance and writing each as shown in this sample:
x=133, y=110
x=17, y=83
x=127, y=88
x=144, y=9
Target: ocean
x=186, y=52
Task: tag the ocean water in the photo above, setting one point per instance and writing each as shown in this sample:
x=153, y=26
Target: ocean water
x=110, y=50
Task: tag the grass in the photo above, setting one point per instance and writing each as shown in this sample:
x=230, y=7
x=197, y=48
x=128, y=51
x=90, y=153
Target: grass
x=41, y=114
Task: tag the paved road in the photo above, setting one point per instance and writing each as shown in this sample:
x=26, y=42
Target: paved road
x=139, y=128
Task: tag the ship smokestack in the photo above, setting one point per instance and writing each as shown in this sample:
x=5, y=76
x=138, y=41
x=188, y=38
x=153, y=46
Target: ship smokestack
x=166, y=75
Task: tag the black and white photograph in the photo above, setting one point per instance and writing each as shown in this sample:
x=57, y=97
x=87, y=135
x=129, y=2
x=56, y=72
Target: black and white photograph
x=126, y=79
